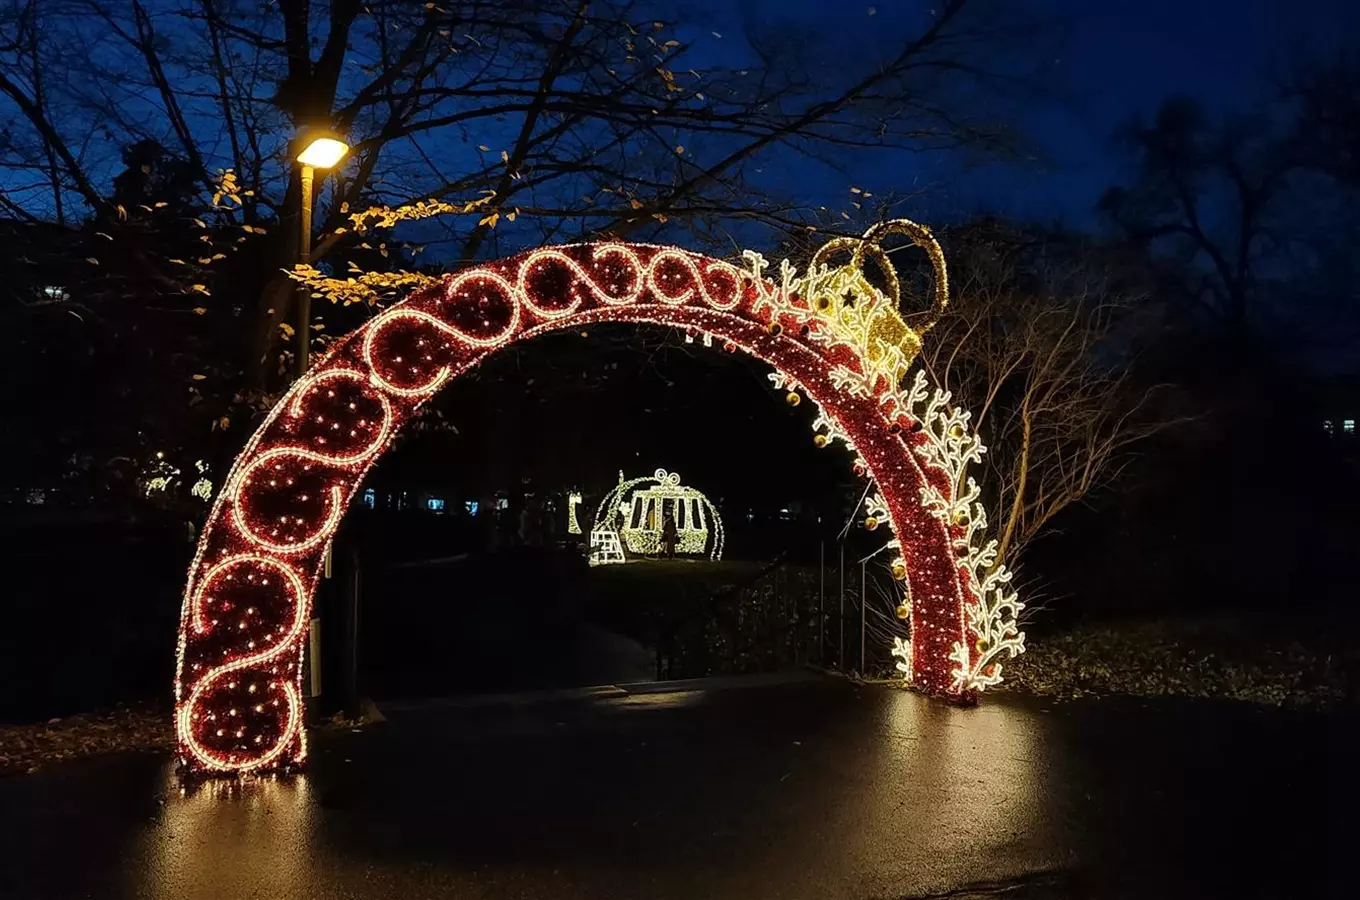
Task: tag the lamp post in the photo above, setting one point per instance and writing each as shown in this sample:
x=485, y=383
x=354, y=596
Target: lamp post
x=322, y=151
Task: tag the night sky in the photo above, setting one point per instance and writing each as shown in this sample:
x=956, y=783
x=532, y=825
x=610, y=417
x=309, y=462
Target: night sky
x=1102, y=62
x=1113, y=59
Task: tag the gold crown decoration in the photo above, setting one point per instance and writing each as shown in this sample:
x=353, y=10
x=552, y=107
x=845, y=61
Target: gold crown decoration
x=861, y=316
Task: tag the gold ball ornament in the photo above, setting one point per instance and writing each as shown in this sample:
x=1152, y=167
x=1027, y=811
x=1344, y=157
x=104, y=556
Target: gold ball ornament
x=774, y=328
x=792, y=398
x=956, y=430
x=820, y=440
x=899, y=571
x=903, y=612
x=871, y=523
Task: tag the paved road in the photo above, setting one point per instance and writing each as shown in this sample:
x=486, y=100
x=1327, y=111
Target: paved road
x=806, y=790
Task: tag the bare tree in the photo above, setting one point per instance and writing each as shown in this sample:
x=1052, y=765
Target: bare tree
x=1037, y=342
x=1208, y=195
x=552, y=118
x=1327, y=133
x=1325, y=144
x=1251, y=216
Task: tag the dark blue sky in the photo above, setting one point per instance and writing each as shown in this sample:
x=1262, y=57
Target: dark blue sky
x=1114, y=59
x=1124, y=57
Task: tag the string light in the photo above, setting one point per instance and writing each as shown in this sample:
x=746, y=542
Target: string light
x=615, y=517
x=605, y=548
x=573, y=501
x=831, y=336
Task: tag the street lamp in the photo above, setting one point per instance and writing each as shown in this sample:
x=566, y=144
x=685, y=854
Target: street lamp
x=322, y=151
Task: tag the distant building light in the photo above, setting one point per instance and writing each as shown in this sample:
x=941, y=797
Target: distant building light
x=1327, y=425
x=56, y=292
x=435, y=504
x=1348, y=426
x=369, y=498
x=472, y=506
x=502, y=503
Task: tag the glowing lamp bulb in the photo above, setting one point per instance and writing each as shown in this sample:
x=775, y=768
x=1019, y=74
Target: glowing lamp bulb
x=323, y=153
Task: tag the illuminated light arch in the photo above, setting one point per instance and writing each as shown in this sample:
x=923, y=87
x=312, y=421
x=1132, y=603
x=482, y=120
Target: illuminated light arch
x=831, y=335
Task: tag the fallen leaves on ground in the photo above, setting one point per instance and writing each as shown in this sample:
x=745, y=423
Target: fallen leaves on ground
x=28, y=748
x=1280, y=664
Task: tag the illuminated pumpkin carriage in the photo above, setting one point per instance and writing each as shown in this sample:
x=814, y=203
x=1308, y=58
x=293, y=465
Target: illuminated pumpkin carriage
x=631, y=520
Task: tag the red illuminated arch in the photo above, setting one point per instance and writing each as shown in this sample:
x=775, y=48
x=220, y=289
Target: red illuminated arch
x=248, y=598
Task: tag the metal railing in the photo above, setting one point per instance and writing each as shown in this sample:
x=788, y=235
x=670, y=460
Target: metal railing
x=788, y=614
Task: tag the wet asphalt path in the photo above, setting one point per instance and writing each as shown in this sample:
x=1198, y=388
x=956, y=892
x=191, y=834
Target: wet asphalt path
x=806, y=790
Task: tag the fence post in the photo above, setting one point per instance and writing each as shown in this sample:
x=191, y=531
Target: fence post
x=821, y=602
x=778, y=613
x=863, y=601
x=353, y=594
x=840, y=641
x=313, y=703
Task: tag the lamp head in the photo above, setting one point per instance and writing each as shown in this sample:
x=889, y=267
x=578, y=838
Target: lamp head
x=323, y=152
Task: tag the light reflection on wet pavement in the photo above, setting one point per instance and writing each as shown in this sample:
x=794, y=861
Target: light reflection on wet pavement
x=805, y=790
